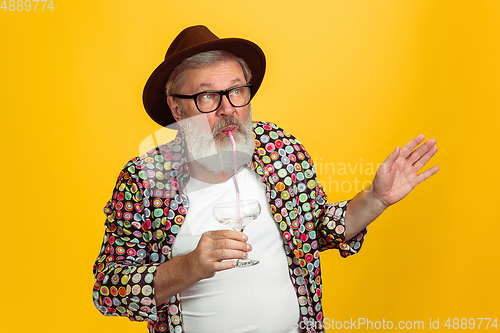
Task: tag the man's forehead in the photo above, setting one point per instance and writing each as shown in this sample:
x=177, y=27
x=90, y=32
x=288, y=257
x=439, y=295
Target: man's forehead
x=234, y=82
x=224, y=73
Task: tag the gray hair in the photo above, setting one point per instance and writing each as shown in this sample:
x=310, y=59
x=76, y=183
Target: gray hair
x=178, y=77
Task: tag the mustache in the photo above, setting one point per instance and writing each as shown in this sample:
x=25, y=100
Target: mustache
x=224, y=122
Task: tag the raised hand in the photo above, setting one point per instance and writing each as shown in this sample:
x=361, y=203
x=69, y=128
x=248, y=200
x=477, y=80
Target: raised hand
x=398, y=175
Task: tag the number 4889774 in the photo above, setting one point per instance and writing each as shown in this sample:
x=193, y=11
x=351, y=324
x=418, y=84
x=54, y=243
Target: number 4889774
x=20, y=5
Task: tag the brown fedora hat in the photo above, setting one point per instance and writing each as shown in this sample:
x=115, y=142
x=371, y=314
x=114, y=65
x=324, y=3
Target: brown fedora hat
x=191, y=41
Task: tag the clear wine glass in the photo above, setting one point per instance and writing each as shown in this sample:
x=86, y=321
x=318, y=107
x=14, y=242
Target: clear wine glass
x=227, y=214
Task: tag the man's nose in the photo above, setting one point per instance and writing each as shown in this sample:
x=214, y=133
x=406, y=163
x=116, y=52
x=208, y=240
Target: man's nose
x=225, y=108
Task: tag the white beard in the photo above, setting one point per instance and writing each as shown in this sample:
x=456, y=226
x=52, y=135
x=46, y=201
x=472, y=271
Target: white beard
x=217, y=155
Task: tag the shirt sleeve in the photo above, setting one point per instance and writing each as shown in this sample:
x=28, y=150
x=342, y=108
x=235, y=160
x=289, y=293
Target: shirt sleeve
x=124, y=274
x=331, y=227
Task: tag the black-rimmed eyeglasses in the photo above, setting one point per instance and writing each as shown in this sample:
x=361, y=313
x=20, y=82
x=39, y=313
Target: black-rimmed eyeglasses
x=209, y=101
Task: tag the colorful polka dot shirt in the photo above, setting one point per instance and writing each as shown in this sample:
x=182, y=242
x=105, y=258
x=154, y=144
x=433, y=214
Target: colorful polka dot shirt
x=149, y=205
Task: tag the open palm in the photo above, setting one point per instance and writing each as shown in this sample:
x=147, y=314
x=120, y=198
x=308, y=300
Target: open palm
x=398, y=174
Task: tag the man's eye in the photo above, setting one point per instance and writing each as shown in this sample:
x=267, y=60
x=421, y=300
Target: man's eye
x=235, y=92
x=206, y=97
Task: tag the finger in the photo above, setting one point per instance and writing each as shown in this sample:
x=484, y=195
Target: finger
x=420, y=151
x=227, y=234
x=426, y=174
x=223, y=265
x=389, y=161
x=226, y=254
x=230, y=244
x=408, y=148
x=425, y=158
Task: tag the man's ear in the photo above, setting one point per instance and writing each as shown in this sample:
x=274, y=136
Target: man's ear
x=175, y=108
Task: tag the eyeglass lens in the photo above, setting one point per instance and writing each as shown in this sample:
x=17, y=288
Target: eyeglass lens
x=210, y=101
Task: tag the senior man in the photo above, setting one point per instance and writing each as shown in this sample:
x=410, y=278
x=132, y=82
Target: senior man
x=165, y=259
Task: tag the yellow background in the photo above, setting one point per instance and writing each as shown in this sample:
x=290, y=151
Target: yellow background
x=351, y=79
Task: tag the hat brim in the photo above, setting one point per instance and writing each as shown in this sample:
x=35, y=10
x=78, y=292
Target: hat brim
x=154, y=98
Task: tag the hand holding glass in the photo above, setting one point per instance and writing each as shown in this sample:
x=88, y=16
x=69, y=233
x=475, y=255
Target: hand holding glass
x=227, y=214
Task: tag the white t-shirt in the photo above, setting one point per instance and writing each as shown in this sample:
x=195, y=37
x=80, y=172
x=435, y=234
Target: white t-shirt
x=259, y=298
